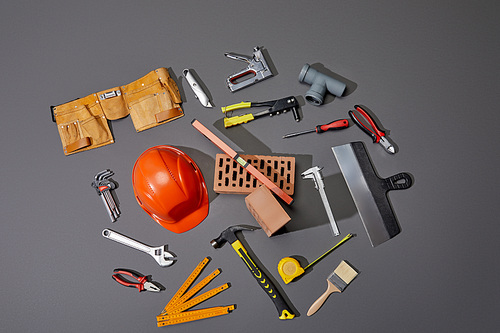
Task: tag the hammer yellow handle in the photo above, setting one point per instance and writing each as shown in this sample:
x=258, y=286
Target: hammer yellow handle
x=283, y=310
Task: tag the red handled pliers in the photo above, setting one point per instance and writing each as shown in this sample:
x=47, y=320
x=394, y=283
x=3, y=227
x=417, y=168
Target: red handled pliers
x=142, y=282
x=371, y=129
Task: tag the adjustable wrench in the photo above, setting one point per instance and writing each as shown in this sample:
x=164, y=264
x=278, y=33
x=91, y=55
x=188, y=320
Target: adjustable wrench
x=163, y=257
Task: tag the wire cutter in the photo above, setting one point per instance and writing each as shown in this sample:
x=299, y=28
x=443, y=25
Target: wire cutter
x=143, y=282
x=371, y=129
x=277, y=106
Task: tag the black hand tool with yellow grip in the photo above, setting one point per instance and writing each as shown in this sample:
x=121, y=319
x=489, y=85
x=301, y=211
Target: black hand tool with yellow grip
x=229, y=235
x=277, y=106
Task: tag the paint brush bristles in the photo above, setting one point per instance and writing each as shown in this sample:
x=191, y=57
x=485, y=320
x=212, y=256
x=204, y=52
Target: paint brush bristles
x=342, y=275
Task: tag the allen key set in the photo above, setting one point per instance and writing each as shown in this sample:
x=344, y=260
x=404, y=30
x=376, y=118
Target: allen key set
x=103, y=186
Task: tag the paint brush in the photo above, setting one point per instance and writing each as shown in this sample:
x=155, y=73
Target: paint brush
x=337, y=282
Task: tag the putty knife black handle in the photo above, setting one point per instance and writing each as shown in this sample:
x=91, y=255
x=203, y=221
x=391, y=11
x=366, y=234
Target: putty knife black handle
x=378, y=190
x=400, y=181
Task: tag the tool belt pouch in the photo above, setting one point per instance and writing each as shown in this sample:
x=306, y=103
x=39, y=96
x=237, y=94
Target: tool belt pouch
x=151, y=100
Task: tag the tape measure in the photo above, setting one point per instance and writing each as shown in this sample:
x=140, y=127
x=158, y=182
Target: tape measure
x=174, y=312
x=289, y=268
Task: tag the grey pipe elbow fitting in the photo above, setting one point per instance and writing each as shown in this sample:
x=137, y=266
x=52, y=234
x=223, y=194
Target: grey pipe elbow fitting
x=320, y=83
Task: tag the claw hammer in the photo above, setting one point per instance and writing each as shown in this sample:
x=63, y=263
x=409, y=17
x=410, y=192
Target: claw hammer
x=229, y=235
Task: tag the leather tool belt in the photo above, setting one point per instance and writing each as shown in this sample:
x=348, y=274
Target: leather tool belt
x=151, y=100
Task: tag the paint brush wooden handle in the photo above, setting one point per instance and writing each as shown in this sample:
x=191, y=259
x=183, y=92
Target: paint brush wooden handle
x=319, y=302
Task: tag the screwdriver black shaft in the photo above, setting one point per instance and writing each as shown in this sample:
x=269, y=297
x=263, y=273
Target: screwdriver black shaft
x=334, y=125
x=298, y=133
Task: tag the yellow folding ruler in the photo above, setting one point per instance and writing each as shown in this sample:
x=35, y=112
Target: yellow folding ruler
x=174, y=312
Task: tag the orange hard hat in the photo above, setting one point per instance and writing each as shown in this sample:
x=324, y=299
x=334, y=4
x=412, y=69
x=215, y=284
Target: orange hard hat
x=169, y=186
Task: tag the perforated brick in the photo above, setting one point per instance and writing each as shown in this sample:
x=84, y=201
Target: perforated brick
x=230, y=177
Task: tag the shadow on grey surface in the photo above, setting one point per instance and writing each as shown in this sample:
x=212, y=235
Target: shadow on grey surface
x=308, y=210
x=206, y=164
x=269, y=61
x=246, y=141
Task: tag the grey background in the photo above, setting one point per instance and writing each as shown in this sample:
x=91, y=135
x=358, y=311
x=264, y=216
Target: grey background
x=427, y=69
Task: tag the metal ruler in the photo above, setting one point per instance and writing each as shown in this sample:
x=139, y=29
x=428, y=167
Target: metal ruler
x=174, y=312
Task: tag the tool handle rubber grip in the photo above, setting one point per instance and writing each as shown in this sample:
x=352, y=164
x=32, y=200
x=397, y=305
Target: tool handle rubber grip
x=129, y=272
x=284, y=310
x=375, y=133
x=334, y=125
x=242, y=105
x=126, y=283
x=236, y=120
x=400, y=181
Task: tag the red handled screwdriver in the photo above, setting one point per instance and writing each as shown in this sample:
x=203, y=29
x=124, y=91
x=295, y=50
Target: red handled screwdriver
x=334, y=125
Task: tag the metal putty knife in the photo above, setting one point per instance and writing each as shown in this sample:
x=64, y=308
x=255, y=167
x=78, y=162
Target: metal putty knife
x=369, y=191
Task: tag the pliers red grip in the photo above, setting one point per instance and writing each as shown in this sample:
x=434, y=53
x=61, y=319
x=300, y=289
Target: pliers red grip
x=372, y=130
x=142, y=283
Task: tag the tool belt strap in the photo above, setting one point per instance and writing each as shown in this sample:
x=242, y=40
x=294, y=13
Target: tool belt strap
x=79, y=144
x=152, y=100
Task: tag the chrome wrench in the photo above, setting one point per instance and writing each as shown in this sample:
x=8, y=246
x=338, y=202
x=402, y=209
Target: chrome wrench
x=163, y=257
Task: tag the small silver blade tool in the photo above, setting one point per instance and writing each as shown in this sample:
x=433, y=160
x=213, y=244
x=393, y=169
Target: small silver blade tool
x=369, y=191
x=197, y=89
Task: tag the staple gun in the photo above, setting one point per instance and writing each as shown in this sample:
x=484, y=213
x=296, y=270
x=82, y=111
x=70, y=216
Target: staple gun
x=277, y=106
x=257, y=70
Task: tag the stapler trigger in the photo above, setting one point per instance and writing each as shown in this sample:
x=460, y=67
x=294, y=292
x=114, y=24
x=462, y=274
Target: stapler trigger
x=257, y=70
